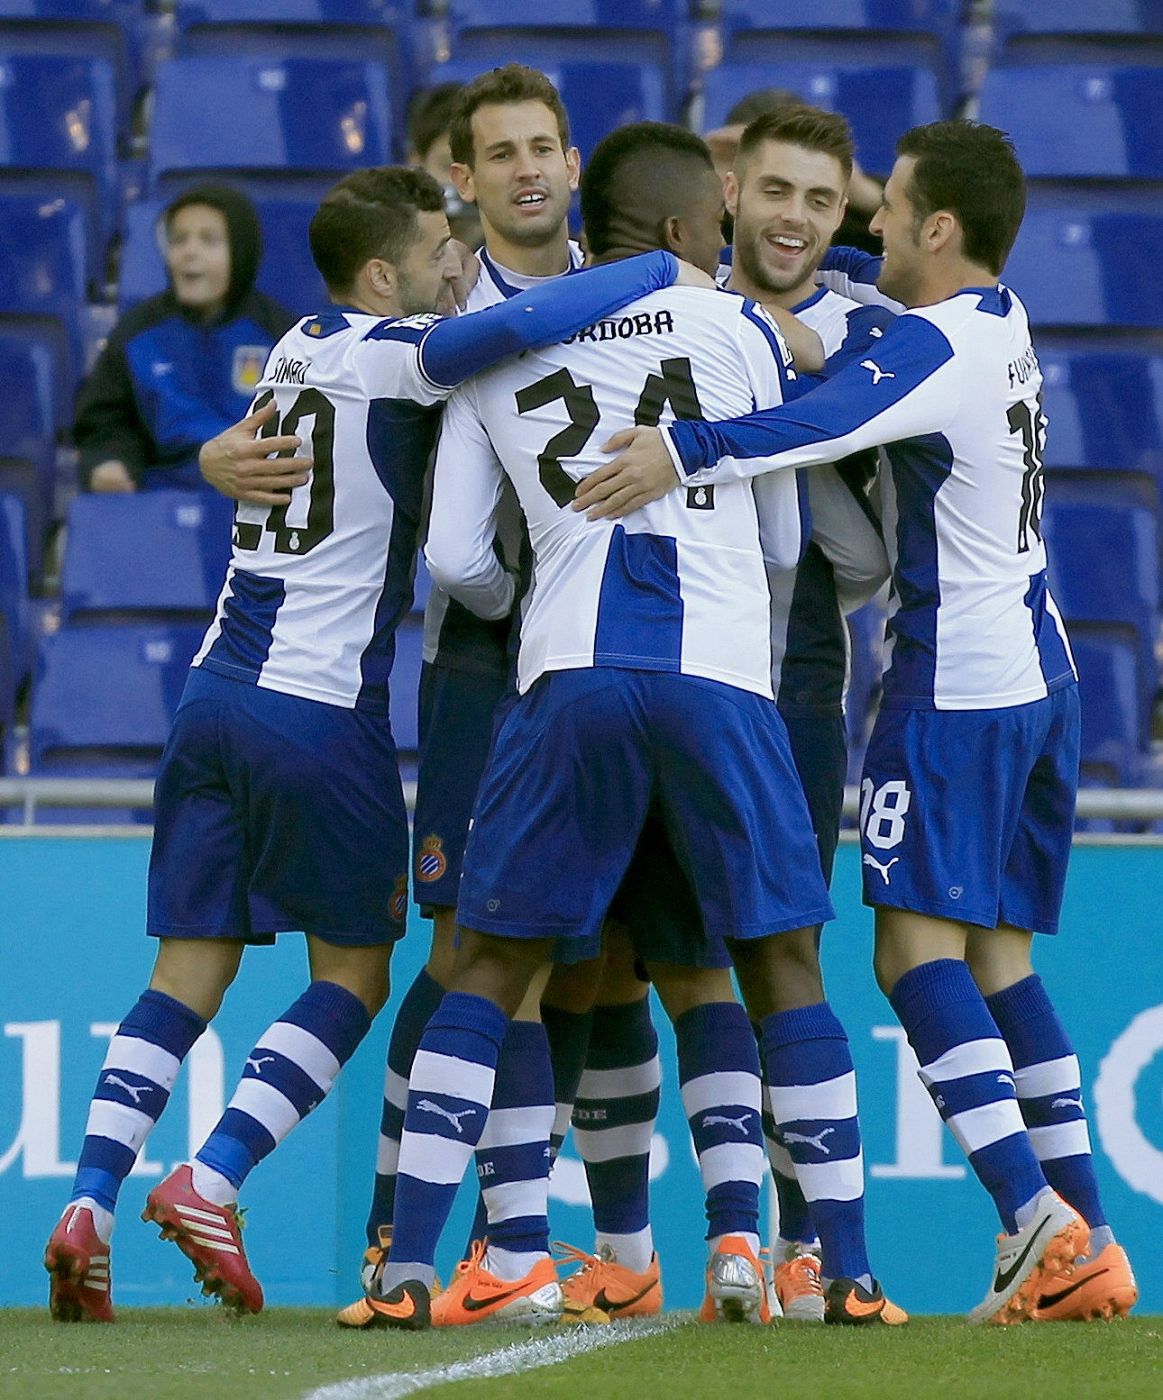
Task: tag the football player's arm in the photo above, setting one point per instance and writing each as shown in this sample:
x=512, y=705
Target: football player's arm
x=846, y=526
x=240, y=464
x=853, y=273
x=911, y=388
x=462, y=524
x=453, y=350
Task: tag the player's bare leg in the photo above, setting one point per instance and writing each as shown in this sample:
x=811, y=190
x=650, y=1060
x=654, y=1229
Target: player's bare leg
x=966, y=1067
x=186, y=989
x=1049, y=1089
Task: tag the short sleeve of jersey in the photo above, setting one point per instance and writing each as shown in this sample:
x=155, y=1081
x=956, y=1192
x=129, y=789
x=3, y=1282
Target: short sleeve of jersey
x=765, y=355
x=390, y=361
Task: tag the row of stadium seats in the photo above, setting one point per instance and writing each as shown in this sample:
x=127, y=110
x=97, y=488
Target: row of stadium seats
x=141, y=576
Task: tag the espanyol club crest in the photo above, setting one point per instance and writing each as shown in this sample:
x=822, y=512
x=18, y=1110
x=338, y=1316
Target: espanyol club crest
x=248, y=366
x=430, y=860
x=398, y=904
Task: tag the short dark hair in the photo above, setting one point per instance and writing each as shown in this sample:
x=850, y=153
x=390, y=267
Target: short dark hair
x=502, y=86
x=631, y=169
x=801, y=125
x=759, y=103
x=369, y=214
x=430, y=114
x=972, y=171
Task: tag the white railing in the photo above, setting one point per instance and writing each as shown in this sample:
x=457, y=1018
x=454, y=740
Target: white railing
x=35, y=795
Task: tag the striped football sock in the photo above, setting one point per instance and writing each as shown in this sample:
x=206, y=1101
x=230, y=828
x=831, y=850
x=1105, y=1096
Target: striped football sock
x=613, y=1123
x=449, y=1094
x=1049, y=1087
x=512, y=1157
x=133, y=1088
x=420, y=1001
x=966, y=1067
x=287, y=1074
x=812, y=1088
x=718, y=1070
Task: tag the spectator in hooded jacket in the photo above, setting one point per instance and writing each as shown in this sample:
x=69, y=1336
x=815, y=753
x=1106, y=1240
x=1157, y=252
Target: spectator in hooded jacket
x=181, y=366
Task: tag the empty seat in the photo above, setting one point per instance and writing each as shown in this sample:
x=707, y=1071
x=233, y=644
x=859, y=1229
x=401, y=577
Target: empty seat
x=42, y=285
x=293, y=126
x=651, y=33
x=1104, y=409
x=1026, y=31
x=599, y=96
x=1112, y=732
x=153, y=552
x=103, y=698
x=1080, y=121
x=286, y=272
x=1078, y=266
x=881, y=103
x=1083, y=539
x=382, y=30
x=27, y=437
x=876, y=33
x=115, y=30
x=57, y=137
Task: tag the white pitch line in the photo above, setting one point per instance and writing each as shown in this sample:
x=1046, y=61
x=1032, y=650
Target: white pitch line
x=511, y=1360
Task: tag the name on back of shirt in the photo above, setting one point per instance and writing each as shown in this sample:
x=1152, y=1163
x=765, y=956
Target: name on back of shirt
x=660, y=323
x=290, y=371
x=1023, y=368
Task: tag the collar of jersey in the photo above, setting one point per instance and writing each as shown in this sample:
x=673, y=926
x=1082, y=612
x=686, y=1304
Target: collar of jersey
x=819, y=293
x=506, y=288
x=994, y=301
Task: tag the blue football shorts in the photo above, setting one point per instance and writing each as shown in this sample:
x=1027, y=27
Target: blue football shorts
x=458, y=714
x=580, y=761
x=968, y=814
x=273, y=813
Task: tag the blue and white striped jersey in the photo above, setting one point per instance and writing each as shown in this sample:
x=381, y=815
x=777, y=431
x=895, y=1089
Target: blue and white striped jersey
x=679, y=586
x=952, y=392
x=453, y=636
x=845, y=563
x=315, y=588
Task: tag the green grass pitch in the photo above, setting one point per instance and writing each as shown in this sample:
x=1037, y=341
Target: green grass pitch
x=201, y=1354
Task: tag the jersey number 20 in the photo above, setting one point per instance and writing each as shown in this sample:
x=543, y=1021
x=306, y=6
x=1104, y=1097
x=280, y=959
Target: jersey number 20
x=300, y=539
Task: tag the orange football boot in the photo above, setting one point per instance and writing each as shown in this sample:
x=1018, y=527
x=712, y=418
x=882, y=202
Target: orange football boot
x=475, y=1295
x=1102, y=1287
x=602, y=1289
x=849, y=1304
x=798, y=1287
x=736, y=1287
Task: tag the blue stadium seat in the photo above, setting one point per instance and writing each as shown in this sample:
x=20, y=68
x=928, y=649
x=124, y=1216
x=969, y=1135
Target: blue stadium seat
x=382, y=30
x=650, y=33
x=293, y=126
x=103, y=698
x=286, y=272
x=151, y=554
x=1084, y=538
x=27, y=435
x=42, y=285
x=13, y=603
x=114, y=30
x=1079, y=266
x=58, y=138
x=1080, y=121
x=881, y=103
x=1033, y=31
x=1105, y=410
x=872, y=33
x=404, y=687
x=598, y=96
x=1112, y=731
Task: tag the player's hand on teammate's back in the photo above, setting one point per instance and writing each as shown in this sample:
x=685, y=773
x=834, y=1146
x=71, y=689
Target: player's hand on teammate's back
x=641, y=474
x=239, y=464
